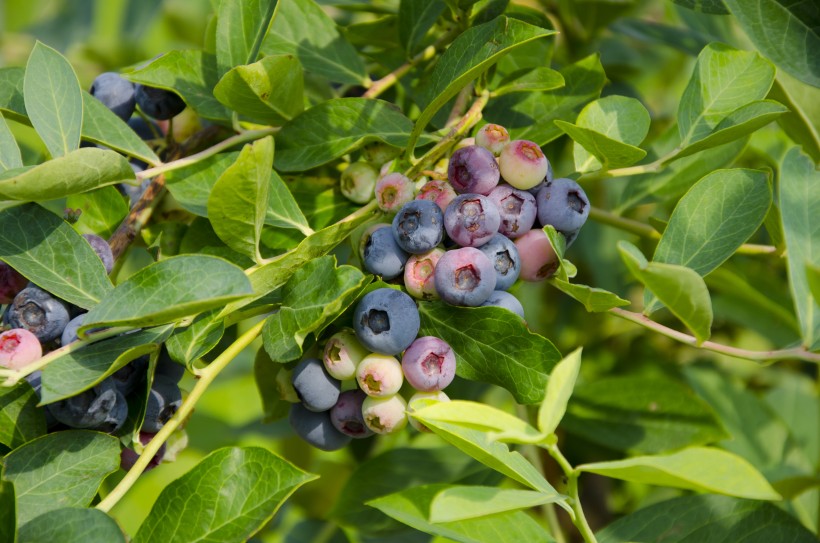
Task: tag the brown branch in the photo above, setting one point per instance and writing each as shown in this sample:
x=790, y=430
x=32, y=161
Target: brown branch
x=138, y=217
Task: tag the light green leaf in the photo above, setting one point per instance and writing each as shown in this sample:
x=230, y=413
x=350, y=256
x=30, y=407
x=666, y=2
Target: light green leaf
x=413, y=507
x=792, y=398
x=20, y=420
x=479, y=416
x=536, y=80
x=785, y=31
x=63, y=469
x=103, y=210
x=559, y=389
x=12, y=103
x=696, y=468
x=238, y=200
x=493, y=345
x=813, y=280
x=609, y=152
x=46, y=250
x=237, y=491
x=416, y=18
x=191, y=186
x=595, y=300
x=694, y=519
x=471, y=54
x=9, y=151
x=317, y=293
x=302, y=29
x=796, y=122
x=187, y=345
x=102, y=126
x=282, y=210
x=716, y=7
x=799, y=210
x=467, y=502
x=269, y=91
x=724, y=79
x=78, y=171
x=240, y=29
x=71, y=525
x=54, y=101
x=679, y=288
x=163, y=292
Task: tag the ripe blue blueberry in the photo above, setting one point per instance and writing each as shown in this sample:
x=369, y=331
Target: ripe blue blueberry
x=386, y=321
x=500, y=298
x=116, y=93
x=168, y=367
x=419, y=226
x=504, y=257
x=471, y=220
x=382, y=255
x=130, y=376
x=316, y=428
x=563, y=204
x=102, y=249
x=346, y=416
x=429, y=364
x=164, y=400
x=517, y=209
x=465, y=277
x=35, y=379
x=101, y=408
x=317, y=389
x=144, y=130
x=160, y=104
x=473, y=170
x=38, y=312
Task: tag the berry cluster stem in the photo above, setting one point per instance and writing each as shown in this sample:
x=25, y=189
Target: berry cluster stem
x=572, y=474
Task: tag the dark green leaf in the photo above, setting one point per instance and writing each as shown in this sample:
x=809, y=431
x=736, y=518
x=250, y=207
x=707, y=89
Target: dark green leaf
x=12, y=103
x=51, y=254
x=71, y=525
x=189, y=344
x=240, y=29
x=301, y=28
x=275, y=388
x=9, y=151
x=236, y=490
x=493, y=345
x=416, y=18
x=716, y=7
x=59, y=470
x=163, y=292
x=20, y=419
x=54, y=101
x=191, y=185
x=8, y=513
x=796, y=123
x=102, y=209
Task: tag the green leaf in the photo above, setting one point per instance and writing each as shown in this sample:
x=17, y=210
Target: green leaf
x=693, y=519
x=493, y=345
x=9, y=151
x=799, y=209
x=240, y=29
x=163, y=292
x=282, y=209
x=792, y=399
x=187, y=345
x=45, y=249
x=191, y=74
x=78, y=171
x=336, y=127
x=191, y=186
x=269, y=91
x=479, y=416
x=609, y=152
x=559, y=389
x=813, y=280
x=785, y=31
x=536, y=80
x=724, y=79
x=530, y=116
x=238, y=200
x=641, y=414
x=302, y=29
x=12, y=102
x=317, y=293
x=54, y=101
x=679, y=288
x=416, y=18
x=696, y=468
x=102, y=126
x=63, y=469
x=715, y=7
x=471, y=54
x=467, y=502
x=275, y=387
x=237, y=491
x=740, y=122
x=20, y=420
x=796, y=122
x=103, y=210
x=595, y=300
x=82, y=369
x=8, y=513
x=413, y=507
x=71, y=525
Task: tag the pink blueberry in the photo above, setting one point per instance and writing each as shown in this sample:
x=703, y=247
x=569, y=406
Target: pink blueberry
x=492, y=137
x=19, y=348
x=393, y=191
x=538, y=259
x=429, y=364
x=439, y=191
x=523, y=164
x=419, y=274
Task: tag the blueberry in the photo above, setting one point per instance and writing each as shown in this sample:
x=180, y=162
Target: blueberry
x=492, y=137
x=504, y=256
x=473, y=169
x=547, y=179
x=363, y=239
x=471, y=220
x=130, y=376
x=358, y=182
x=35, y=379
x=438, y=191
x=419, y=226
x=379, y=375
x=346, y=416
x=102, y=249
x=382, y=255
x=317, y=389
x=145, y=131
x=129, y=457
x=523, y=164
x=11, y=282
x=19, y=348
x=116, y=93
x=160, y=104
x=517, y=209
x=500, y=298
x=316, y=428
x=438, y=396
x=386, y=321
x=538, y=259
x=342, y=354
x=465, y=277
x=563, y=204
x=38, y=312
x=419, y=274
x=385, y=415
x=69, y=334
x=101, y=408
x=168, y=367
x=393, y=191
x=164, y=400
x=429, y=364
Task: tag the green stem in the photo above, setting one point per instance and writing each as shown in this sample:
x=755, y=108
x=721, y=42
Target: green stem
x=797, y=353
x=206, y=378
x=580, y=520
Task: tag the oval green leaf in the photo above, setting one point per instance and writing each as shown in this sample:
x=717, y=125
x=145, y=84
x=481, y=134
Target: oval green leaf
x=559, y=389
x=9, y=151
x=482, y=417
x=20, y=420
x=466, y=502
x=71, y=525
x=240, y=29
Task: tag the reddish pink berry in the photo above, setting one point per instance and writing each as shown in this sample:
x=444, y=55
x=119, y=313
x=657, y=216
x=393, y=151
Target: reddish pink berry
x=523, y=164
x=440, y=192
x=393, y=191
x=538, y=259
x=19, y=348
x=420, y=275
x=492, y=137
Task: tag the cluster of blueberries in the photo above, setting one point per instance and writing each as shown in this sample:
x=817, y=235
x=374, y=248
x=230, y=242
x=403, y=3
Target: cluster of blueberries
x=467, y=239
x=353, y=392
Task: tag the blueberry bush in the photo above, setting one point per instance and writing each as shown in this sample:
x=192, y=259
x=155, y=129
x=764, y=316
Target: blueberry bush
x=410, y=271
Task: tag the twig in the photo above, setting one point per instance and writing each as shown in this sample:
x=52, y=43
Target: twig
x=138, y=217
x=580, y=520
x=459, y=105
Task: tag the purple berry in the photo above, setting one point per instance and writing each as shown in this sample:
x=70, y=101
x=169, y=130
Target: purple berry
x=385, y=415
x=346, y=416
x=11, y=282
x=538, y=259
x=379, y=375
x=523, y=164
x=386, y=321
x=563, y=204
x=393, y=191
x=473, y=169
x=505, y=259
x=471, y=220
x=102, y=249
x=492, y=137
x=465, y=277
x=438, y=191
x=517, y=209
x=429, y=364
x=382, y=255
x=419, y=274
x=500, y=298
x=129, y=457
x=19, y=348
x=419, y=226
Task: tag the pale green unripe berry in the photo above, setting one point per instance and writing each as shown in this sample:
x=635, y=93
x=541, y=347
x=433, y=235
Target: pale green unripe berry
x=358, y=182
x=342, y=354
x=522, y=164
x=385, y=415
x=379, y=375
